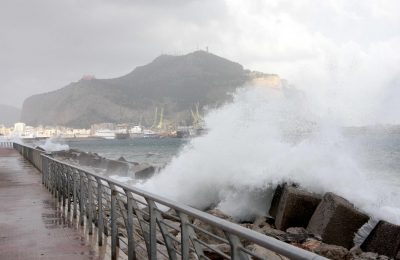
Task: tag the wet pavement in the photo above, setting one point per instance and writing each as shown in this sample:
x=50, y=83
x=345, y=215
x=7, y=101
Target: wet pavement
x=32, y=226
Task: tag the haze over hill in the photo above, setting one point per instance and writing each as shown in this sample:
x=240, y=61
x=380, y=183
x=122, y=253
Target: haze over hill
x=9, y=115
x=174, y=84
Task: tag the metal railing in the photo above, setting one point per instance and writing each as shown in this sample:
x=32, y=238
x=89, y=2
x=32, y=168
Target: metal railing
x=6, y=144
x=137, y=225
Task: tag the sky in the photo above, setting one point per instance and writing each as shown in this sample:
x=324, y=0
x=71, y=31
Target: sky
x=346, y=53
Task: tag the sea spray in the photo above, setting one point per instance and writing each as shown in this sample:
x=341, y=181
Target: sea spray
x=53, y=145
x=261, y=139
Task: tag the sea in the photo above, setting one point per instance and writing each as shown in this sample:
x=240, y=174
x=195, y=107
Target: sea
x=154, y=151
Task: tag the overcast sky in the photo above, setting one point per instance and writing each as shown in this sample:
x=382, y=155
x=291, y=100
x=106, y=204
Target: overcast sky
x=348, y=50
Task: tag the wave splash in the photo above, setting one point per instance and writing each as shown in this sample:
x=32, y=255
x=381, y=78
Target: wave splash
x=54, y=145
x=263, y=138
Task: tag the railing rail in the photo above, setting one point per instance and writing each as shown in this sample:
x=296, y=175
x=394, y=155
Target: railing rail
x=137, y=225
x=6, y=144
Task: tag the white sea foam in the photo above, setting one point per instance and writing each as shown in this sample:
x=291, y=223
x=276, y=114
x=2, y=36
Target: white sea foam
x=54, y=145
x=262, y=139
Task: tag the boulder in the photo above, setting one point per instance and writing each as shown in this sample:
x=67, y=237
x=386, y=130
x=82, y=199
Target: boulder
x=295, y=208
x=219, y=214
x=143, y=171
x=84, y=158
x=366, y=256
x=211, y=254
x=122, y=159
x=384, y=239
x=332, y=251
x=336, y=221
x=117, y=166
x=262, y=221
x=275, y=233
x=310, y=244
x=264, y=253
x=297, y=235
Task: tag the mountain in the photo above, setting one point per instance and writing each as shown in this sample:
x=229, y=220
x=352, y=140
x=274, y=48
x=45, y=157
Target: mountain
x=9, y=115
x=173, y=84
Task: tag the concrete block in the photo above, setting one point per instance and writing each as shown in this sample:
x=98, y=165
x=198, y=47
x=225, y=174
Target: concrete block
x=275, y=200
x=384, y=239
x=143, y=171
x=295, y=208
x=336, y=220
x=277, y=197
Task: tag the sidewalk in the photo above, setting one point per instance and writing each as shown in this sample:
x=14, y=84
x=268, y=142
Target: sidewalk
x=31, y=226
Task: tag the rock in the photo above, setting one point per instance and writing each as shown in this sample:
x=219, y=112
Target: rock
x=297, y=235
x=248, y=225
x=275, y=233
x=378, y=240
x=262, y=221
x=117, y=166
x=143, y=171
x=311, y=244
x=211, y=229
x=122, y=159
x=224, y=248
x=170, y=214
x=218, y=213
x=264, y=253
x=332, y=251
x=84, y=158
x=367, y=256
x=295, y=208
x=177, y=227
x=336, y=221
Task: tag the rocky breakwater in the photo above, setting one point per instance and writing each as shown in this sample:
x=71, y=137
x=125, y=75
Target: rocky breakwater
x=325, y=224
x=108, y=167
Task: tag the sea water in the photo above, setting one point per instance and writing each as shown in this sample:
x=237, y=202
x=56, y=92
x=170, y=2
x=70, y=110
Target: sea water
x=154, y=151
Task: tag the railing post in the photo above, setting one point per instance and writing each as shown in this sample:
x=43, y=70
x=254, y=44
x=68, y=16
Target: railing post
x=63, y=187
x=81, y=200
x=184, y=236
x=59, y=183
x=114, y=228
x=74, y=191
x=100, y=224
x=187, y=235
x=235, y=244
x=68, y=179
x=90, y=204
x=53, y=179
x=43, y=169
x=153, y=231
x=129, y=228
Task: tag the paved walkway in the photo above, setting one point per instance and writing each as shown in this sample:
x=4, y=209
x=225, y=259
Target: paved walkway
x=31, y=226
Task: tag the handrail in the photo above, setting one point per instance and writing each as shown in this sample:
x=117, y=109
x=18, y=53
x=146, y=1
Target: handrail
x=113, y=206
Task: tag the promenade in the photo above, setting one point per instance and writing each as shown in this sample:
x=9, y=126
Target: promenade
x=31, y=224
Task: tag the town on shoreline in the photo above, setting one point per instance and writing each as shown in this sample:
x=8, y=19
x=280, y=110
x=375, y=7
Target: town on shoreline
x=96, y=131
